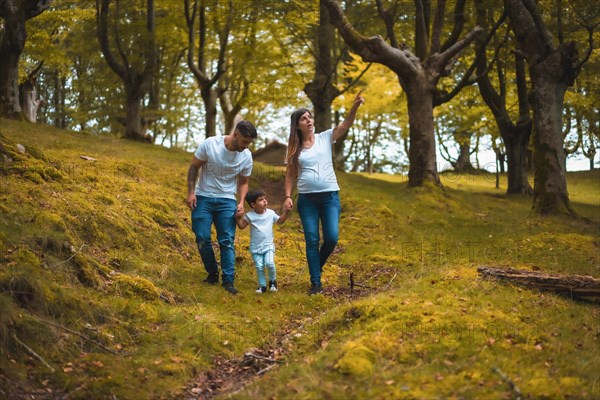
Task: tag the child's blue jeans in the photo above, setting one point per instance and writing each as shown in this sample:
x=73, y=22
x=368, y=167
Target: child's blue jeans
x=262, y=260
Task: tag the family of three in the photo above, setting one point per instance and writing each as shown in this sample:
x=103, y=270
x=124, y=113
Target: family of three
x=218, y=186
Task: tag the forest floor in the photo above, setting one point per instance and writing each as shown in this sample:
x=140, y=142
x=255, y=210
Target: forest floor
x=101, y=293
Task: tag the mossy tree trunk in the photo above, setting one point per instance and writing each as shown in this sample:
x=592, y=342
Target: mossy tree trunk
x=418, y=72
x=552, y=68
x=516, y=141
x=12, y=42
x=550, y=183
x=422, y=150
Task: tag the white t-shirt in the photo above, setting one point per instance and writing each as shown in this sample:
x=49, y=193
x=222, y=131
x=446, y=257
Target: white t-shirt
x=218, y=177
x=261, y=230
x=316, y=166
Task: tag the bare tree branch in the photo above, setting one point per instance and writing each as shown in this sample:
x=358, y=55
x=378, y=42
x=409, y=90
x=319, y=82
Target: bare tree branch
x=438, y=24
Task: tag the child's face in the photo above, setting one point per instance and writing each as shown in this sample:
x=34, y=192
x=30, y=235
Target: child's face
x=261, y=204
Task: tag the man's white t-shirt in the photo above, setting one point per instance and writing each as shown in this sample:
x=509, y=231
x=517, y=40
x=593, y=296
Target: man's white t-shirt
x=316, y=166
x=218, y=177
x=261, y=230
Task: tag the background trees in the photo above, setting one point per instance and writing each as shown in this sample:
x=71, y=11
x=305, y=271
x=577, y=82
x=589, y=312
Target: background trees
x=14, y=14
x=176, y=71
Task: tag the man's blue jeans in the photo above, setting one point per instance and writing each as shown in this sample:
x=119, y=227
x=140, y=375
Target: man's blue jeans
x=221, y=212
x=312, y=208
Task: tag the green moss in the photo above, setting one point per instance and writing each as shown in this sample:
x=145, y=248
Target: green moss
x=89, y=272
x=356, y=360
x=27, y=291
x=136, y=286
x=427, y=326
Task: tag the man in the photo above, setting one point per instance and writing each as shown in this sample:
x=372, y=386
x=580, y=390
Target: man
x=225, y=164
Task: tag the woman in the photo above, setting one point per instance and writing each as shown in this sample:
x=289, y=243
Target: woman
x=310, y=166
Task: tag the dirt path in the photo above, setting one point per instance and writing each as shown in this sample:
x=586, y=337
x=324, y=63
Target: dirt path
x=228, y=376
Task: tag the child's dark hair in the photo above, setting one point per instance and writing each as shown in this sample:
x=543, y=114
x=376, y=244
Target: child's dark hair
x=253, y=195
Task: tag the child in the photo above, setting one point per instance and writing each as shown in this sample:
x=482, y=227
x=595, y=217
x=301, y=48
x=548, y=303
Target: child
x=262, y=248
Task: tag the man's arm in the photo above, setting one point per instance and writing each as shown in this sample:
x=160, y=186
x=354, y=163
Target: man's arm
x=242, y=190
x=192, y=177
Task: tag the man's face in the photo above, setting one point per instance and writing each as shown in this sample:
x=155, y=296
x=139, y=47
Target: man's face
x=241, y=142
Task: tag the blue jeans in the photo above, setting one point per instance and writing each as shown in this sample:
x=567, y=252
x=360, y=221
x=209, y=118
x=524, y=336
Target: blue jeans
x=312, y=208
x=262, y=260
x=221, y=212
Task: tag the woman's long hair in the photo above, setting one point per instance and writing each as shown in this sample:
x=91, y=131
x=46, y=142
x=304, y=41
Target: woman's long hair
x=295, y=141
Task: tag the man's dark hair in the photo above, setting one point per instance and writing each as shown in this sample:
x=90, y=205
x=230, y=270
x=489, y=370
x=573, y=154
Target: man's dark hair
x=247, y=129
x=253, y=195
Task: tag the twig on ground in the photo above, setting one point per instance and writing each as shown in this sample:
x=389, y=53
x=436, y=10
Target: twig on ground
x=262, y=371
x=68, y=259
x=249, y=354
x=509, y=381
x=390, y=282
x=43, y=321
x=354, y=283
x=33, y=353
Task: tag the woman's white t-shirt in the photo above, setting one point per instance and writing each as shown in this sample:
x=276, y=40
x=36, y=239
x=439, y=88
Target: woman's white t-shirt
x=316, y=166
x=261, y=230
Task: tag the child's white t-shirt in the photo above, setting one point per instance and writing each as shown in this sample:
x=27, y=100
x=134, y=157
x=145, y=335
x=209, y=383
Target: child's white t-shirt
x=317, y=174
x=218, y=177
x=261, y=230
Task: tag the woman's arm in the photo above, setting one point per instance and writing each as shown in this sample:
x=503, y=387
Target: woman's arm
x=343, y=128
x=288, y=203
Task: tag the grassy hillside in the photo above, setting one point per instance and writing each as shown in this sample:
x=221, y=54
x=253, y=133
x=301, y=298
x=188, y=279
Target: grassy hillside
x=101, y=293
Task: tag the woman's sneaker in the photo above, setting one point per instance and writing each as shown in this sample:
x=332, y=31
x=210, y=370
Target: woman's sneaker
x=273, y=286
x=261, y=289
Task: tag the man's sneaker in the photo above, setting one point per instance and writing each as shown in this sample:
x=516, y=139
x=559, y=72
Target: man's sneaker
x=211, y=279
x=230, y=288
x=315, y=288
x=273, y=286
x=261, y=289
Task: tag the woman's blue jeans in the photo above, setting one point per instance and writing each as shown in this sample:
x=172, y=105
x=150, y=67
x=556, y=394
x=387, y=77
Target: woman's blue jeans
x=312, y=208
x=221, y=212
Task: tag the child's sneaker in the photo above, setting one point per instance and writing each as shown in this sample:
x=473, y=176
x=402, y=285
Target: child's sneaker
x=261, y=289
x=273, y=286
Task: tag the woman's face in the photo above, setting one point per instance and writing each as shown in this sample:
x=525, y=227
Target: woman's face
x=305, y=124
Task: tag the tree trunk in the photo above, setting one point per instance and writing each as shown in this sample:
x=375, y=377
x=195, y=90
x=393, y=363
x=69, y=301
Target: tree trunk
x=463, y=162
x=133, y=114
x=209, y=97
x=551, y=69
x=516, y=142
x=12, y=42
x=418, y=73
x=320, y=90
x=550, y=194
x=422, y=151
x=11, y=47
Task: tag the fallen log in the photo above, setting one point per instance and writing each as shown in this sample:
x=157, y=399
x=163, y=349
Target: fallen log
x=575, y=285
